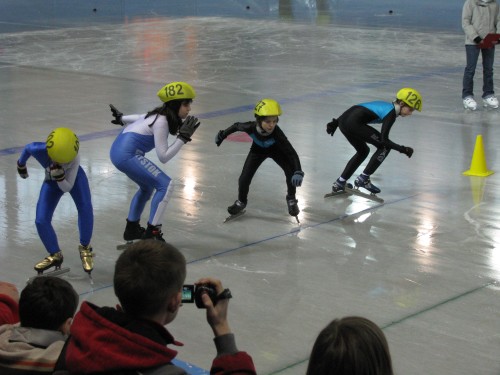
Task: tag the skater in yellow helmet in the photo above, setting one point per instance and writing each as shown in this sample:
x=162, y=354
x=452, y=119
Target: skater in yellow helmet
x=269, y=141
x=141, y=134
x=63, y=174
x=355, y=124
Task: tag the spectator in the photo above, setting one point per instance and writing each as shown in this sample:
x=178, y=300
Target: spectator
x=479, y=18
x=350, y=346
x=9, y=303
x=46, y=309
x=148, y=281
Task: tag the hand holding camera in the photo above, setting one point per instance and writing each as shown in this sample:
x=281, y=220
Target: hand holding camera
x=208, y=293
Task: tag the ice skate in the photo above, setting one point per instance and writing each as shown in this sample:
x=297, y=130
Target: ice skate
x=338, y=187
x=365, y=182
x=153, y=232
x=87, y=258
x=470, y=103
x=236, y=210
x=133, y=231
x=490, y=102
x=293, y=208
x=53, y=260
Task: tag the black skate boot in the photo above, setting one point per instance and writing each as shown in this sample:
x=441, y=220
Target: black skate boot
x=293, y=208
x=236, y=208
x=53, y=260
x=153, y=232
x=365, y=182
x=133, y=231
x=87, y=257
x=338, y=186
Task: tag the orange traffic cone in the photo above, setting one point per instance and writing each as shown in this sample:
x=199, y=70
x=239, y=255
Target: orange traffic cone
x=478, y=163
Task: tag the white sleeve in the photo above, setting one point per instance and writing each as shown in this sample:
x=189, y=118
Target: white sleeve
x=70, y=172
x=163, y=150
x=128, y=119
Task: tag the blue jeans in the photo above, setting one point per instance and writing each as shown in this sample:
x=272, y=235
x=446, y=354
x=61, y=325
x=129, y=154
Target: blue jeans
x=472, y=55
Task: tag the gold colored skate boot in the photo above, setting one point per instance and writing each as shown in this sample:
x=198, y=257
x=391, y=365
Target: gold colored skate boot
x=87, y=257
x=53, y=260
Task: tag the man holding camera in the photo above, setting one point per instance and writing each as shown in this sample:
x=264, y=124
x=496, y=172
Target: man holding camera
x=148, y=282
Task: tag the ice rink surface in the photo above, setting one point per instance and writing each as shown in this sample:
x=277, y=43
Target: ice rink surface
x=424, y=265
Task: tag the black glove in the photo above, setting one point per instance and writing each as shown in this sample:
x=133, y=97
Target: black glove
x=478, y=39
x=57, y=172
x=219, y=137
x=117, y=115
x=297, y=178
x=188, y=128
x=22, y=170
x=408, y=151
x=332, y=126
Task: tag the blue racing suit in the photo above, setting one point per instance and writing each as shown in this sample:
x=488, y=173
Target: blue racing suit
x=75, y=183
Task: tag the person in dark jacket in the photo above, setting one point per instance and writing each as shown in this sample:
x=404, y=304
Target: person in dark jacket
x=355, y=126
x=148, y=282
x=269, y=141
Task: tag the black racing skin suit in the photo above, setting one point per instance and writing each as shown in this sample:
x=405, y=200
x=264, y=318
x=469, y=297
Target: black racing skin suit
x=273, y=145
x=353, y=123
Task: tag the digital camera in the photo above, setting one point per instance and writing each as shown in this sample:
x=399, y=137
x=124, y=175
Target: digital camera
x=192, y=293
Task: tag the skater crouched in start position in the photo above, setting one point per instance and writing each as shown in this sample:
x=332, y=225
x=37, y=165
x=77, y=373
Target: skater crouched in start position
x=63, y=174
x=354, y=124
x=269, y=141
x=142, y=134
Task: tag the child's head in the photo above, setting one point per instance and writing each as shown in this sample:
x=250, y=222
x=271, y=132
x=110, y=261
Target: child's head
x=47, y=303
x=409, y=99
x=350, y=346
x=148, y=275
x=266, y=113
x=177, y=97
x=62, y=145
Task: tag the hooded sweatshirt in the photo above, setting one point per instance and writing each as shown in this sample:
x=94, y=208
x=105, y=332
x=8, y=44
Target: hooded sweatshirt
x=108, y=340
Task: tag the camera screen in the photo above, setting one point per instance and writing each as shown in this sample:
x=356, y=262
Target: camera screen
x=188, y=294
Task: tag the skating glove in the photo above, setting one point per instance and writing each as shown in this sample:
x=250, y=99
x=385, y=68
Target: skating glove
x=188, y=128
x=332, y=126
x=408, y=151
x=219, y=137
x=117, y=115
x=297, y=178
x=57, y=172
x=478, y=39
x=22, y=170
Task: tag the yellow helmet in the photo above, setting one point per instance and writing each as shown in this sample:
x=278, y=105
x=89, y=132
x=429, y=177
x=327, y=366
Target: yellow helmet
x=176, y=90
x=411, y=97
x=267, y=107
x=62, y=145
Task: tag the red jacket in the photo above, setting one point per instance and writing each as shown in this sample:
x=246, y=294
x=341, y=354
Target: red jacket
x=9, y=310
x=108, y=340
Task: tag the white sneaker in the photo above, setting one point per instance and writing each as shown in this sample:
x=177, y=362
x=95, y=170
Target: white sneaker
x=490, y=102
x=470, y=103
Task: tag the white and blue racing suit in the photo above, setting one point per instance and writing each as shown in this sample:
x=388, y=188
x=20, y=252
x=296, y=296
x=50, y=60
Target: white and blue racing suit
x=140, y=135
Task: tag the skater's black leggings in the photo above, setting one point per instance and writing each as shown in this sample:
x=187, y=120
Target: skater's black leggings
x=253, y=162
x=359, y=134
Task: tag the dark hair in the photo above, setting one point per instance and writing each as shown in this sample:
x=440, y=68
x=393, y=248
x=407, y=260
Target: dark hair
x=146, y=275
x=350, y=346
x=47, y=302
x=171, y=111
